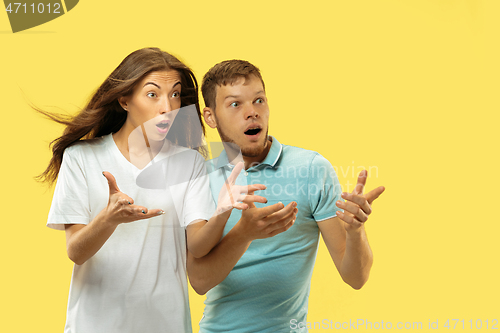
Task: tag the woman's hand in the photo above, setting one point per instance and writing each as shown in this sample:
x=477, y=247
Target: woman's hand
x=236, y=196
x=83, y=241
x=121, y=208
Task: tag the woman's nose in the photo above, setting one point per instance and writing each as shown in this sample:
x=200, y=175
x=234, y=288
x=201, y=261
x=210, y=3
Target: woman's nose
x=165, y=106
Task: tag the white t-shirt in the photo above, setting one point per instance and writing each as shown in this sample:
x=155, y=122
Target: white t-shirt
x=137, y=281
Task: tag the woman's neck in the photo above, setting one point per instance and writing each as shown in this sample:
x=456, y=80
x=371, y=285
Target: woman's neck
x=135, y=146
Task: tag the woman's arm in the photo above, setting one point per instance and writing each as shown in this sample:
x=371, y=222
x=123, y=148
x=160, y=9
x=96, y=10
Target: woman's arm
x=83, y=241
x=255, y=223
x=202, y=236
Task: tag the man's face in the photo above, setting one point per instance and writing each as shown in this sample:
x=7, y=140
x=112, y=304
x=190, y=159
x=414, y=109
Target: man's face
x=242, y=116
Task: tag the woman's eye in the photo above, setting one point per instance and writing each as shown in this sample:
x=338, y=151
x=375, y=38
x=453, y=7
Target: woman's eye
x=234, y=104
x=176, y=94
x=152, y=95
x=259, y=100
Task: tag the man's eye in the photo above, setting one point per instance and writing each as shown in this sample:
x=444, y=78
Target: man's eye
x=152, y=95
x=176, y=94
x=259, y=100
x=234, y=104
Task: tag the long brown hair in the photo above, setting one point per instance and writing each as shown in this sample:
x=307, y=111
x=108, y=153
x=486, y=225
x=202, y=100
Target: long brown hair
x=104, y=115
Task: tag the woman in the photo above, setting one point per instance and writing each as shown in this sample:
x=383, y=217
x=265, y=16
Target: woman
x=131, y=277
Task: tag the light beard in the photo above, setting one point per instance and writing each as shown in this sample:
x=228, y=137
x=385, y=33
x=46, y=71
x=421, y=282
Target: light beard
x=246, y=152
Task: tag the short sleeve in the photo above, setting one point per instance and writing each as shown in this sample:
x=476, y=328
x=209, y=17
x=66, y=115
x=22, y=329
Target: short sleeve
x=324, y=189
x=70, y=204
x=198, y=203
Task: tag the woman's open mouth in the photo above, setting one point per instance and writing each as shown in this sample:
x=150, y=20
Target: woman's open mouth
x=163, y=126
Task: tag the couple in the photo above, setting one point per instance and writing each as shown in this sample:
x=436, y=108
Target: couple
x=254, y=262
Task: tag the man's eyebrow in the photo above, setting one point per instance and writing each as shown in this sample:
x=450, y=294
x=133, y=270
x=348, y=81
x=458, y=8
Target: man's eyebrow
x=237, y=96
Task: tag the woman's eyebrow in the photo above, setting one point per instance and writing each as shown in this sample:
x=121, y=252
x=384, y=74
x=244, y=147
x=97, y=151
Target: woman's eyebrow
x=154, y=84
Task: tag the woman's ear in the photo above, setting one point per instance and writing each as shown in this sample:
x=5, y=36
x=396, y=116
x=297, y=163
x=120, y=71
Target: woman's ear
x=123, y=102
x=209, y=116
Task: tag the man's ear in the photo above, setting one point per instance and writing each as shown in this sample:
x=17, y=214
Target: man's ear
x=123, y=102
x=209, y=116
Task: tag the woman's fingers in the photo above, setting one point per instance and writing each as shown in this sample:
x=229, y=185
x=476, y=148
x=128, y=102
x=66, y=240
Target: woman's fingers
x=113, y=187
x=126, y=211
x=126, y=200
x=134, y=213
x=144, y=213
x=240, y=205
x=121, y=207
x=252, y=188
x=234, y=174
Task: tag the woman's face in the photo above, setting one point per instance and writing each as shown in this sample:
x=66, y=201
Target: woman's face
x=154, y=103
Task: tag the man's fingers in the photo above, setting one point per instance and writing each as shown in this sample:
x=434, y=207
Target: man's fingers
x=289, y=209
x=374, y=194
x=234, y=174
x=354, y=209
x=291, y=216
x=113, y=187
x=360, y=186
x=347, y=218
x=252, y=198
x=359, y=200
x=268, y=210
x=283, y=229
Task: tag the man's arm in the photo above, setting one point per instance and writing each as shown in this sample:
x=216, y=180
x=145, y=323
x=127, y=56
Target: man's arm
x=255, y=223
x=350, y=251
x=345, y=235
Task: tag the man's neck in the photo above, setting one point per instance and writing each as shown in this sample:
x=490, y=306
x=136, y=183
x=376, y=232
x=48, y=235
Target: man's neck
x=254, y=160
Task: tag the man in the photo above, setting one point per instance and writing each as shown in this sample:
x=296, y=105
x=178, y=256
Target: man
x=262, y=285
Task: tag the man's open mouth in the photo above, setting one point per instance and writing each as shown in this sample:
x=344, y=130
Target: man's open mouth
x=253, y=131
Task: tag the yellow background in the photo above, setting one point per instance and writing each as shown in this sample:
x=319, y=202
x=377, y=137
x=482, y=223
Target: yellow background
x=408, y=88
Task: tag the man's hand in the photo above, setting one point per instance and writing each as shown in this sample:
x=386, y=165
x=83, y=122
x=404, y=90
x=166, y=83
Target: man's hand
x=265, y=222
x=357, y=206
x=235, y=196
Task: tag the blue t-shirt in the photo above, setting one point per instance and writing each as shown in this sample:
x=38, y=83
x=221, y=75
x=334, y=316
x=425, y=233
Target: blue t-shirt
x=269, y=286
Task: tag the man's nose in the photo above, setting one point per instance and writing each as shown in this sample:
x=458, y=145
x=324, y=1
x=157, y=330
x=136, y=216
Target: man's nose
x=251, y=112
